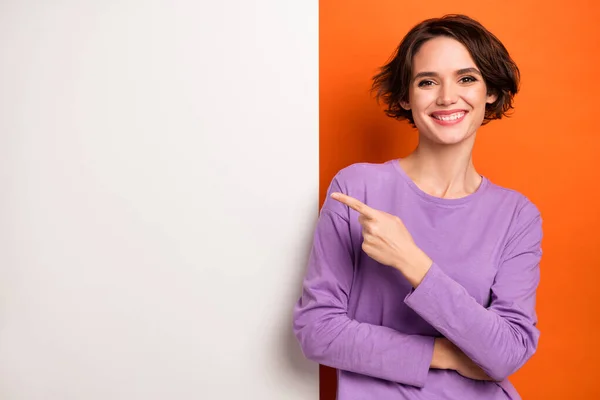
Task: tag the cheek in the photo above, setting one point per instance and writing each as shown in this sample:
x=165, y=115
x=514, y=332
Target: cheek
x=477, y=101
x=477, y=98
x=422, y=101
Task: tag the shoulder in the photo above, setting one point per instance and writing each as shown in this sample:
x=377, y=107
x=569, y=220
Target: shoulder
x=520, y=213
x=358, y=177
x=363, y=181
x=516, y=202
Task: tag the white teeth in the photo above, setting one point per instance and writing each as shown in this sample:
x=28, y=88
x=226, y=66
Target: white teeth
x=450, y=117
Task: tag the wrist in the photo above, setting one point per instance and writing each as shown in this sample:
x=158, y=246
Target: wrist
x=443, y=354
x=414, y=265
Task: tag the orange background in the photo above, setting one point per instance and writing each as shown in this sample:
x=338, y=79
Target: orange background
x=549, y=150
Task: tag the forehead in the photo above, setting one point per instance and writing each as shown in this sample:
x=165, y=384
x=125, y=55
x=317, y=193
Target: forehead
x=442, y=54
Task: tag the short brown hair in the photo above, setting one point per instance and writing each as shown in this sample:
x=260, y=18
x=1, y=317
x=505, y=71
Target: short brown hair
x=500, y=73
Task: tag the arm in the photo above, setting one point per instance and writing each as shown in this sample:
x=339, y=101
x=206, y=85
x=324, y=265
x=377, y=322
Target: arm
x=325, y=332
x=504, y=336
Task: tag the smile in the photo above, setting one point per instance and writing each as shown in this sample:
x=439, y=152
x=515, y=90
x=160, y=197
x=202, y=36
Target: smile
x=448, y=119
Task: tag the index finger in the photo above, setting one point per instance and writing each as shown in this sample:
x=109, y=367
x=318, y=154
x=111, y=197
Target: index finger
x=354, y=204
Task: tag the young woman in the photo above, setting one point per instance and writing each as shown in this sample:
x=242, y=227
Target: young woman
x=422, y=277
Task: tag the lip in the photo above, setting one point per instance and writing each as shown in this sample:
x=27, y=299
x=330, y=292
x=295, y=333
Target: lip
x=448, y=112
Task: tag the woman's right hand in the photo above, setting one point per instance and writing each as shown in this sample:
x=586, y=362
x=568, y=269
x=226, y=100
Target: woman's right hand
x=446, y=355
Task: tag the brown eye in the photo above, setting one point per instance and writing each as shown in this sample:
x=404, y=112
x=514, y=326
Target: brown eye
x=468, y=79
x=425, y=83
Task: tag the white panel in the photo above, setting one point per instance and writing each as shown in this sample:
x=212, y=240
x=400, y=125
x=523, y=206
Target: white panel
x=159, y=175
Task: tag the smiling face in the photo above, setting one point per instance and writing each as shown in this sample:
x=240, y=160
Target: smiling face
x=447, y=94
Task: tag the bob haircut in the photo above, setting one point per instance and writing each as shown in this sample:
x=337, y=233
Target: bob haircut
x=500, y=73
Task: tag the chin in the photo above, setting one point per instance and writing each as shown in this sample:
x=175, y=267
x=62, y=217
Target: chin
x=445, y=136
x=448, y=141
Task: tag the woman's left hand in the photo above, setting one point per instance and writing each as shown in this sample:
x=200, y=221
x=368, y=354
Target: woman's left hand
x=386, y=240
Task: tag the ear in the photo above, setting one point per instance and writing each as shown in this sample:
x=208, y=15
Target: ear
x=405, y=105
x=491, y=97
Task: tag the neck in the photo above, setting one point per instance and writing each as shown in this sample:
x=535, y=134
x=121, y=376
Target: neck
x=442, y=170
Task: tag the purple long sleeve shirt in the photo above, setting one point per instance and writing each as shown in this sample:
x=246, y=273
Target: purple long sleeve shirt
x=364, y=318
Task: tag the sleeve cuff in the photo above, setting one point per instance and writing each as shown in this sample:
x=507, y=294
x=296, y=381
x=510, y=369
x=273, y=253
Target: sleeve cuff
x=426, y=284
x=423, y=364
x=418, y=298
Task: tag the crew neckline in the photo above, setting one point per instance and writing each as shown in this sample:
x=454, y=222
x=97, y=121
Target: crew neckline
x=439, y=200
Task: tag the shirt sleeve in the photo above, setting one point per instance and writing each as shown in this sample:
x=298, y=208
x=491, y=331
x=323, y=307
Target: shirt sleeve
x=321, y=324
x=502, y=337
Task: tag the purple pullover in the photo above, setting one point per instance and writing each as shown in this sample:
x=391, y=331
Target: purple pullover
x=364, y=318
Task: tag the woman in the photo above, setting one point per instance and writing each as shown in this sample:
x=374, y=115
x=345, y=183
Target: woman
x=422, y=277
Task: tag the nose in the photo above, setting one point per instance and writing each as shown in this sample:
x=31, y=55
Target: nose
x=447, y=95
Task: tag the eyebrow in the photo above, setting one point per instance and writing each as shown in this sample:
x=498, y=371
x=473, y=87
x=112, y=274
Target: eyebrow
x=462, y=71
